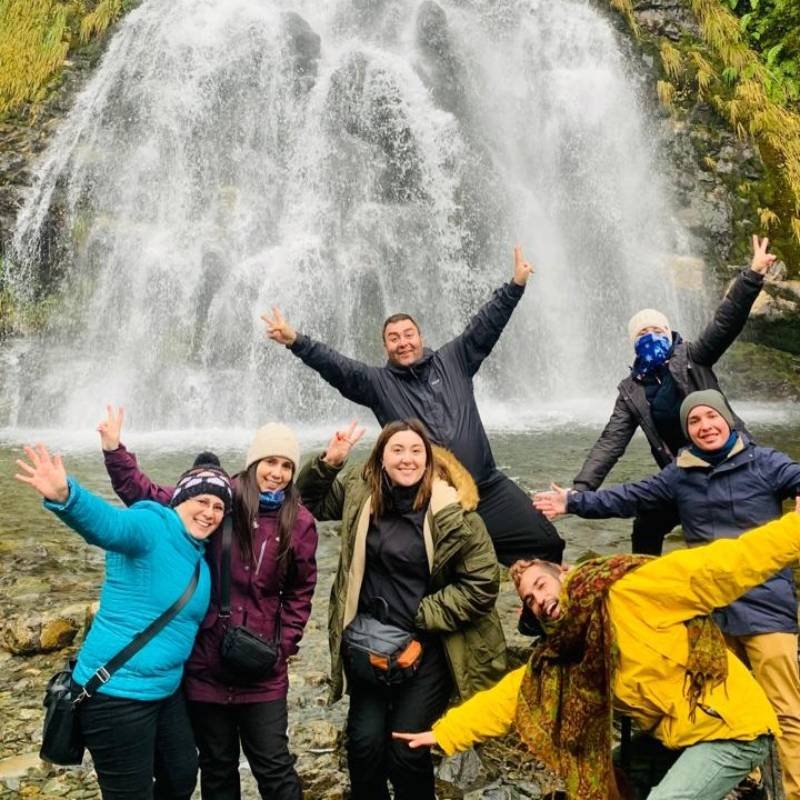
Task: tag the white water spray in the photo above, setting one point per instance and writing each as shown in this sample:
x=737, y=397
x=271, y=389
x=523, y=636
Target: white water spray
x=344, y=161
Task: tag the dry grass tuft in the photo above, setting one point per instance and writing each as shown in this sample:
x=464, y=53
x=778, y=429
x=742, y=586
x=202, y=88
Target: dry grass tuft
x=671, y=60
x=666, y=94
x=35, y=37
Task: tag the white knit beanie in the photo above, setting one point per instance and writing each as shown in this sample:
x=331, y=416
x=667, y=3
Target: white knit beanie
x=646, y=318
x=274, y=439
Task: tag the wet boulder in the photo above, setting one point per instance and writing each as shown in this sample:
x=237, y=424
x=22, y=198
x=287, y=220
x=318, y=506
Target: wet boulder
x=366, y=102
x=35, y=632
x=304, y=47
x=442, y=70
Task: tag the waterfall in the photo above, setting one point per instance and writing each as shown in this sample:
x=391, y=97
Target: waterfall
x=344, y=161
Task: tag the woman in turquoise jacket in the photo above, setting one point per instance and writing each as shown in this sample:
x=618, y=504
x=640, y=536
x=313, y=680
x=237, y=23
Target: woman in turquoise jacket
x=136, y=726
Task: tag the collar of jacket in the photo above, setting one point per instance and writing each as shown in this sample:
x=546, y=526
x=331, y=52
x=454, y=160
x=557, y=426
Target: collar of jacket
x=453, y=489
x=688, y=460
x=412, y=369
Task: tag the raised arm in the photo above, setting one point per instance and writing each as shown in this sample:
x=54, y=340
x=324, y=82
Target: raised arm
x=609, y=448
x=731, y=315
x=98, y=522
x=484, y=329
x=353, y=379
x=299, y=587
x=687, y=583
x=127, y=480
x=322, y=492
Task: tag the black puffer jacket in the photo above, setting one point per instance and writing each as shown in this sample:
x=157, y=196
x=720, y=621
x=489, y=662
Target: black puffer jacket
x=691, y=368
x=437, y=389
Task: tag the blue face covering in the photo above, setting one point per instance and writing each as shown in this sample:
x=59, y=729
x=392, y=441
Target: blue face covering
x=652, y=350
x=270, y=501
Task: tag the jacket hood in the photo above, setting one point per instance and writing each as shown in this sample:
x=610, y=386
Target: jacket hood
x=452, y=471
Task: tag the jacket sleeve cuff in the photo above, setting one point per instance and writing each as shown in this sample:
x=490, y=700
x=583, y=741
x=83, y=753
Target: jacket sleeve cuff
x=298, y=344
x=442, y=739
x=74, y=490
x=751, y=276
x=111, y=455
x=515, y=290
x=573, y=502
x=325, y=469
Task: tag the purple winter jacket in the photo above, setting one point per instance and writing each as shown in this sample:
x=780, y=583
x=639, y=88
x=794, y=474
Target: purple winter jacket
x=253, y=594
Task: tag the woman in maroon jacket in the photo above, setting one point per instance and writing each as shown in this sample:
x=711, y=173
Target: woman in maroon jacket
x=272, y=576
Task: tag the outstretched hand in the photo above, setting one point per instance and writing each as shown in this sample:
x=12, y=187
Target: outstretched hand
x=111, y=427
x=45, y=473
x=553, y=503
x=278, y=329
x=415, y=740
x=341, y=443
x=762, y=260
x=522, y=269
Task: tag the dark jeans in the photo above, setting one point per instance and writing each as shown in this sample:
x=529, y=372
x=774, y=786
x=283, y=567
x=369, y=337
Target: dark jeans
x=372, y=755
x=133, y=742
x=517, y=529
x=648, y=762
x=261, y=728
x=650, y=528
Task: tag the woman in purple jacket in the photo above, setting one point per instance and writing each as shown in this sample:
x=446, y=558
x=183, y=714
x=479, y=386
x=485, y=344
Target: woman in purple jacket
x=272, y=577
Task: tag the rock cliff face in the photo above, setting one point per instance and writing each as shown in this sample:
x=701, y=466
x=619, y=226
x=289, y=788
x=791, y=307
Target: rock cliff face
x=719, y=183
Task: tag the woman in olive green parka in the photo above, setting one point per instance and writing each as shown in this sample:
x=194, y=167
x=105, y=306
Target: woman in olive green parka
x=456, y=614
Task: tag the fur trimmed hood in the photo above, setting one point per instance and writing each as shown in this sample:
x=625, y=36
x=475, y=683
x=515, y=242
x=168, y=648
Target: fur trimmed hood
x=452, y=471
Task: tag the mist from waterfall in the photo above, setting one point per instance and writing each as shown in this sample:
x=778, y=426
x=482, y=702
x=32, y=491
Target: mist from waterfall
x=344, y=161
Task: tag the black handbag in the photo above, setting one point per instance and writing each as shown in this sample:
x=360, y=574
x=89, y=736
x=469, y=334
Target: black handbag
x=379, y=653
x=246, y=655
x=62, y=741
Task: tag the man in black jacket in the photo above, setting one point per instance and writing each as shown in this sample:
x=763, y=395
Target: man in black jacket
x=436, y=388
x=665, y=371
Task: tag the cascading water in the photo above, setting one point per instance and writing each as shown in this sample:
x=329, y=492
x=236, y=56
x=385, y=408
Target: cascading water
x=343, y=161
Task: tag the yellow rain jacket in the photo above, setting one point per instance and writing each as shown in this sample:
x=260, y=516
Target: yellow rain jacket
x=648, y=608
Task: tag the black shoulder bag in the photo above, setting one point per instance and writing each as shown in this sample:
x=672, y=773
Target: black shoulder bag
x=246, y=655
x=62, y=742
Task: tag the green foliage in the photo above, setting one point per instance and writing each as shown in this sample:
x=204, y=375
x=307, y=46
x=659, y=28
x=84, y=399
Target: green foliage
x=772, y=28
x=35, y=39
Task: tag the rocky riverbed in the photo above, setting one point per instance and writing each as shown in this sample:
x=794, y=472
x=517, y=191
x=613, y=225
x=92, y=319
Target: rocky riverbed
x=52, y=586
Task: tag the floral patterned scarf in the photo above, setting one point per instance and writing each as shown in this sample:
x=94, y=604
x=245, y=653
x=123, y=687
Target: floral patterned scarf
x=564, y=706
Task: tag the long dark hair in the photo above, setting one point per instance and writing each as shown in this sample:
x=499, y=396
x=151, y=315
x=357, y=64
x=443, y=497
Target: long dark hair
x=246, y=495
x=373, y=472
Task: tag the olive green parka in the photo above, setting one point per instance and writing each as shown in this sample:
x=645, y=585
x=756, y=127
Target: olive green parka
x=465, y=576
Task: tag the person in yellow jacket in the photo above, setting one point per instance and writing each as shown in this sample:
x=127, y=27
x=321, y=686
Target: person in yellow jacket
x=633, y=633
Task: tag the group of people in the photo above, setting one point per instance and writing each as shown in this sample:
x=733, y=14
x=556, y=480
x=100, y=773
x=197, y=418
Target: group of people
x=425, y=523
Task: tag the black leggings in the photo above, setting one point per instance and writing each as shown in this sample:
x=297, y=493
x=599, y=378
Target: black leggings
x=134, y=743
x=517, y=529
x=373, y=757
x=261, y=727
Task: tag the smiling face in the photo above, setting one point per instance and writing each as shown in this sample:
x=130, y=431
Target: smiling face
x=201, y=515
x=706, y=428
x=404, y=459
x=403, y=342
x=274, y=473
x=540, y=588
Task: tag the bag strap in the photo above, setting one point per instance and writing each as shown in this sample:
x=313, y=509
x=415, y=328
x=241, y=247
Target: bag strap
x=104, y=673
x=225, y=568
x=225, y=579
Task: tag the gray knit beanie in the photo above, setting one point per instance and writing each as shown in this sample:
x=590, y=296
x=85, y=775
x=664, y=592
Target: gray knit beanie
x=708, y=397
